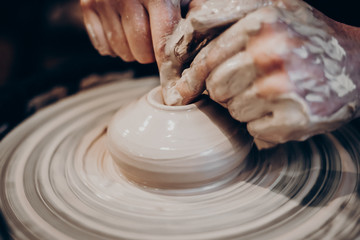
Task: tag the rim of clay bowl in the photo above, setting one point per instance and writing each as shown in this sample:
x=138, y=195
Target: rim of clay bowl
x=154, y=97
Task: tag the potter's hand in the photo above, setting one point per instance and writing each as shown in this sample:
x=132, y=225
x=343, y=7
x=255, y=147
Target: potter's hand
x=287, y=70
x=131, y=29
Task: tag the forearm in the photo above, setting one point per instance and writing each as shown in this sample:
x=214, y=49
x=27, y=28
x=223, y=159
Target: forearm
x=332, y=61
x=349, y=38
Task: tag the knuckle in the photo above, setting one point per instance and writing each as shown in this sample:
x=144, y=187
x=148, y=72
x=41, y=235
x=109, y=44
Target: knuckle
x=218, y=94
x=218, y=88
x=235, y=110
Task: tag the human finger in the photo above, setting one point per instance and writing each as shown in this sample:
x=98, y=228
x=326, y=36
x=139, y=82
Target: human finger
x=259, y=98
x=261, y=64
x=135, y=22
x=231, y=77
x=236, y=85
x=113, y=28
x=192, y=81
x=287, y=122
x=164, y=15
x=204, y=21
x=94, y=28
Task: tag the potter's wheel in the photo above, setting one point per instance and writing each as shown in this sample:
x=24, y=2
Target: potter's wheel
x=59, y=182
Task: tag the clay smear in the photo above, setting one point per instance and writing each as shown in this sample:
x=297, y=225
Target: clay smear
x=58, y=181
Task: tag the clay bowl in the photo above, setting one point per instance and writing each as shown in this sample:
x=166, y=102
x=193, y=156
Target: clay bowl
x=197, y=146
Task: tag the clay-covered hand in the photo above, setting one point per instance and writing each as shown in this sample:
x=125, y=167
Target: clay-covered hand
x=131, y=29
x=284, y=68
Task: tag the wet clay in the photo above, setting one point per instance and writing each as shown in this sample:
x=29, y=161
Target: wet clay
x=177, y=147
x=58, y=181
x=319, y=92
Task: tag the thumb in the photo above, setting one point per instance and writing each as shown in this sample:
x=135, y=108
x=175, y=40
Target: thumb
x=193, y=41
x=193, y=79
x=164, y=15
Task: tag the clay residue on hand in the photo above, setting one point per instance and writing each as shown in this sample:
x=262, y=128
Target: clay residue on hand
x=191, y=35
x=317, y=79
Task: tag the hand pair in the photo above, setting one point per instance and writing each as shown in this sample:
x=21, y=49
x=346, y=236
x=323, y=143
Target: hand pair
x=279, y=65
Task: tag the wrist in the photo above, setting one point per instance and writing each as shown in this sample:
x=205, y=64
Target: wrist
x=349, y=38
